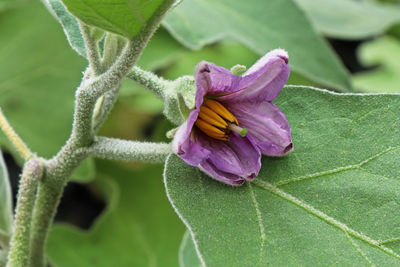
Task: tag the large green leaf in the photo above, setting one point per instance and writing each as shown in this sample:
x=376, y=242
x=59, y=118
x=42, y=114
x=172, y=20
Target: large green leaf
x=139, y=228
x=126, y=18
x=333, y=201
x=384, y=53
x=262, y=26
x=161, y=51
x=158, y=53
x=350, y=19
x=6, y=215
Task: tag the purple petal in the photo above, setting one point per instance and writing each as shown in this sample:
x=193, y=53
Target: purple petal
x=182, y=145
x=239, y=156
x=264, y=80
x=221, y=176
x=266, y=124
x=214, y=79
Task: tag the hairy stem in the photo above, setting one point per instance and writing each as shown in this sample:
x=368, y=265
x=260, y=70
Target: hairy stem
x=92, y=49
x=20, y=241
x=117, y=149
x=59, y=168
x=50, y=190
x=91, y=89
x=45, y=208
x=149, y=80
x=17, y=142
x=113, y=46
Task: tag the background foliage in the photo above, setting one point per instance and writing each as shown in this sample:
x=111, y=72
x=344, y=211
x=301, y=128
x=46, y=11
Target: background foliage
x=39, y=73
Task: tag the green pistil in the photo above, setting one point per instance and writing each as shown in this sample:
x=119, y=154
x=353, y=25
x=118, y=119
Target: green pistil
x=237, y=129
x=243, y=132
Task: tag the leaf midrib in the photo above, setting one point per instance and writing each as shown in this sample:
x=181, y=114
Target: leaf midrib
x=330, y=220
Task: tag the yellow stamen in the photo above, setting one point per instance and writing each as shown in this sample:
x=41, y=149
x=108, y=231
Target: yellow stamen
x=221, y=110
x=210, y=130
x=211, y=117
x=218, y=137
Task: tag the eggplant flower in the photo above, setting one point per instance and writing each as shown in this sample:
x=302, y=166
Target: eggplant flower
x=234, y=120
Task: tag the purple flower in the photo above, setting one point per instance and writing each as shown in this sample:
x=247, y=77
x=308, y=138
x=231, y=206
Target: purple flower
x=234, y=121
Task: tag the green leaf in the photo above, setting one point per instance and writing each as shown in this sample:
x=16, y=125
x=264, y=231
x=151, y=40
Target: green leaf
x=38, y=78
x=187, y=252
x=138, y=228
x=126, y=18
x=69, y=24
x=6, y=215
x=262, y=26
x=333, y=201
x=349, y=19
x=385, y=54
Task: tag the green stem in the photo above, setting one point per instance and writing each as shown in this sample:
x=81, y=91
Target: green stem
x=112, y=49
x=14, y=138
x=92, y=49
x=20, y=241
x=150, y=81
x=61, y=166
x=50, y=190
x=48, y=198
x=117, y=149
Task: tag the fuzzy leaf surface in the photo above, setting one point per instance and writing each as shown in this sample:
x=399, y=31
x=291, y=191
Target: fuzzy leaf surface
x=69, y=24
x=333, y=201
x=126, y=18
x=262, y=26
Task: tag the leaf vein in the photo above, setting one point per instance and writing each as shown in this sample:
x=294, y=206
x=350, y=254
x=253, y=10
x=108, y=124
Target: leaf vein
x=259, y=220
x=275, y=190
x=392, y=240
x=359, y=250
x=336, y=170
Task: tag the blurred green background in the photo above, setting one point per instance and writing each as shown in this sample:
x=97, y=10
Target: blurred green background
x=115, y=213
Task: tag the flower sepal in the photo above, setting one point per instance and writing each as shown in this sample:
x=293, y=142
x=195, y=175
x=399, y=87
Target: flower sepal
x=179, y=99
